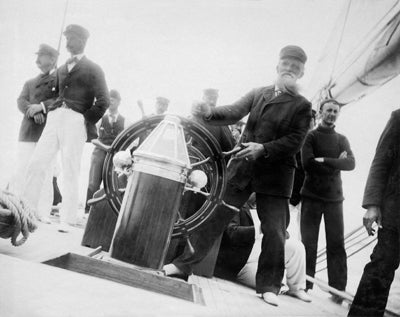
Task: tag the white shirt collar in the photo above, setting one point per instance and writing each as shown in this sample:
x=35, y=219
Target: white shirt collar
x=79, y=56
x=115, y=114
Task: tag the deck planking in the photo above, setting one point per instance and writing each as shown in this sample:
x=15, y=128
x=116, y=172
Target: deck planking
x=222, y=298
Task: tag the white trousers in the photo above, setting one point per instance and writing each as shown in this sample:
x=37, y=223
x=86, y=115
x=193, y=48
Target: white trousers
x=24, y=154
x=65, y=132
x=295, y=265
x=294, y=225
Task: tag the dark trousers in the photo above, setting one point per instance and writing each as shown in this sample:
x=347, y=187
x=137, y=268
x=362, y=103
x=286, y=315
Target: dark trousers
x=373, y=291
x=95, y=174
x=311, y=214
x=57, y=198
x=272, y=212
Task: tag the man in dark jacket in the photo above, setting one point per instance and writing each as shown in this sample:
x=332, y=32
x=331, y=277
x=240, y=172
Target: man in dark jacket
x=112, y=124
x=222, y=135
x=82, y=100
x=278, y=121
x=35, y=93
x=382, y=201
x=325, y=153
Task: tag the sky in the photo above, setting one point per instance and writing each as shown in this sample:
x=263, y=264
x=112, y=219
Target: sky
x=176, y=48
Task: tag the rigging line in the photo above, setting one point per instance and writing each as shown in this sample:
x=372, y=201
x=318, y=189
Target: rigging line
x=327, y=86
x=347, y=248
x=347, y=242
x=351, y=254
x=372, y=29
x=340, y=40
x=346, y=238
x=362, y=233
x=347, y=245
x=62, y=30
x=356, y=243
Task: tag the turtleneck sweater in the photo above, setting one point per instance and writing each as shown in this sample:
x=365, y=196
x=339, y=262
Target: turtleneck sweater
x=323, y=179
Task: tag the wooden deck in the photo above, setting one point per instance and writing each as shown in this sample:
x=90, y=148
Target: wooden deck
x=36, y=289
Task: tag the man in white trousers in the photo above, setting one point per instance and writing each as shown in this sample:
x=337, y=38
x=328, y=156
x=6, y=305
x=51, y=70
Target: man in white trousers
x=82, y=100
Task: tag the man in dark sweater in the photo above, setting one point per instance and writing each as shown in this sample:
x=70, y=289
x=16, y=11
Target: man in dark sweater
x=111, y=125
x=324, y=154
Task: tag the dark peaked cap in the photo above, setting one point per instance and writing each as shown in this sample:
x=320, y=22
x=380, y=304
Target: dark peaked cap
x=293, y=51
x=45, y=49
x=78, y=30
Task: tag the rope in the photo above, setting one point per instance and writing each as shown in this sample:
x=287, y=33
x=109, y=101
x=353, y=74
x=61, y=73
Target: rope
x=346, y=239
x=16, y=218
x=353, y=253
x=340, y=41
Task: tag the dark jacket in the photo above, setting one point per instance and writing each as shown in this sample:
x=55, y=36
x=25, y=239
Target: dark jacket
x=84, y=90
x=280, y=124
x=222, y=134
x=383, y=184
x=107, y=131
x=36, y=90
x=236, y=245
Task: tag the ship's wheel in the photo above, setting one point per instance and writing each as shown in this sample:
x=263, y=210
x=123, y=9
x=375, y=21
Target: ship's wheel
x=204, y=153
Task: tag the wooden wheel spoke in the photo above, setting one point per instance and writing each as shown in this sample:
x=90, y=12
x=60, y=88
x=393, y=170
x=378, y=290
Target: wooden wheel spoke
x=233, y=208
x=201, y=162
x=196, y=191
x=94, y=201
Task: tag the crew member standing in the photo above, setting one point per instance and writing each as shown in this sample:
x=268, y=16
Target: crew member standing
x=192, y=202
x=278, y=121
x=325, y=153
x=82, y=100
x=382, y=201
x=35, y=94
x=112, y=124
x=160, y=107
x=221, y=133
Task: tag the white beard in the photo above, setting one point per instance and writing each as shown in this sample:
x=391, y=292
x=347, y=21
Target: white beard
x=287, y=84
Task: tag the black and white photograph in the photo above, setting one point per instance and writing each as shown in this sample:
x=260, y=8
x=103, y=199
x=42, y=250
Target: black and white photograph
x=200, y=158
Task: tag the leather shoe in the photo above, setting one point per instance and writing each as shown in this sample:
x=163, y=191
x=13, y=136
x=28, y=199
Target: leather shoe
x=172, y=270
x=181, y=276
x=270, y=298
x=336, y=299
x=300, y=294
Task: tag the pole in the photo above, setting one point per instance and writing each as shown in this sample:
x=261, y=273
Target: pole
x=323, y=285
x=61, y=31
x=345, y=295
